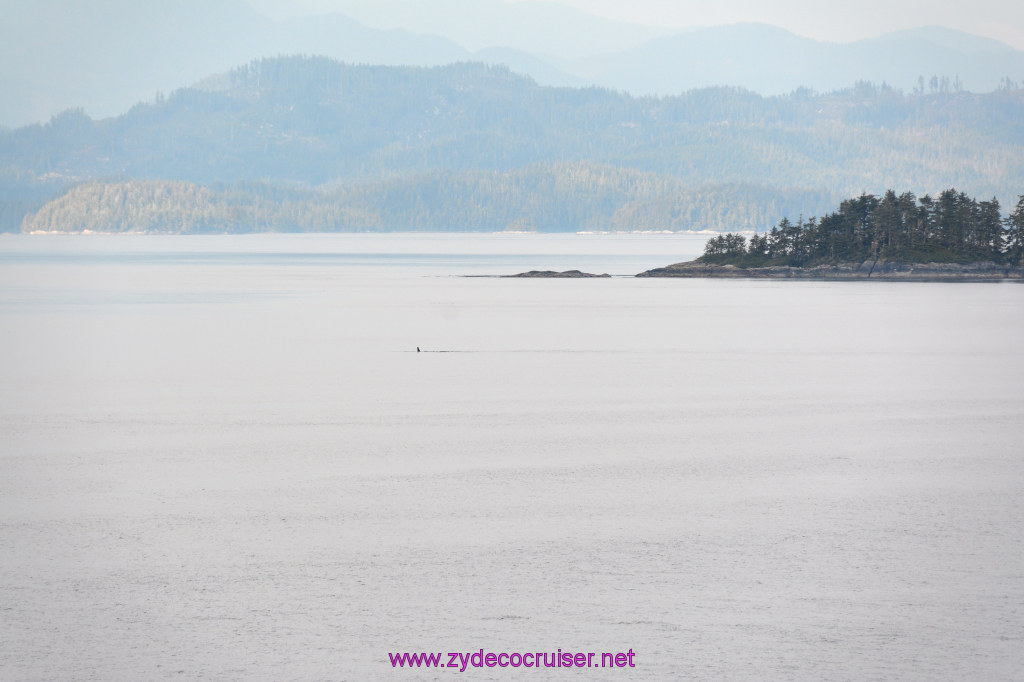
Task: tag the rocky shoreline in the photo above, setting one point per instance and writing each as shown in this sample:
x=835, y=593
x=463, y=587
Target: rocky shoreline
x=874, y=270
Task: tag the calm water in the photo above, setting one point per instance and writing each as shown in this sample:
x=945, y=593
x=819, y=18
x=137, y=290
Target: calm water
x=222, y=458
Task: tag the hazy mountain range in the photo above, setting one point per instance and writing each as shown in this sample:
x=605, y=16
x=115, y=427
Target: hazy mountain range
x=106, y=55
x=312, y=143
x=476, y=114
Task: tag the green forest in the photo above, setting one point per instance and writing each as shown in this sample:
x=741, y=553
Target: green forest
x=949, y=228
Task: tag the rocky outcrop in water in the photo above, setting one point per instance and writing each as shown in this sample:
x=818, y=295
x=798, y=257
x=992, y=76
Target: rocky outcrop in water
x=887, y=270
x=551, y=273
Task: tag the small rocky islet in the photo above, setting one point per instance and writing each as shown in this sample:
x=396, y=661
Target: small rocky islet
x=567, y=274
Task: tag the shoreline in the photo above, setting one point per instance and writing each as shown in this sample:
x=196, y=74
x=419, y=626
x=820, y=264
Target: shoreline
x=868, y=270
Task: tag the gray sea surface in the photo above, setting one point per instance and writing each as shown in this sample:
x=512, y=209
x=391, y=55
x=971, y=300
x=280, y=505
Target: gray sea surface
x=223, y=458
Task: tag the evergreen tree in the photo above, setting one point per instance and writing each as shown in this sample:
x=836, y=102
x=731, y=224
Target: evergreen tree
x=1015, y=234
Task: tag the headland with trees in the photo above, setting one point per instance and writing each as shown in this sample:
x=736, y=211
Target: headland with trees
x=951, y=236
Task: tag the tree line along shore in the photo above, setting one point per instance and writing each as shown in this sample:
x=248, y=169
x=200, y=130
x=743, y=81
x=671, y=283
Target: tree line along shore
x=894, y=236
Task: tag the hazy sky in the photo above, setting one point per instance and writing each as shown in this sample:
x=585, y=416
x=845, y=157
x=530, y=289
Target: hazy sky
x=999, y=19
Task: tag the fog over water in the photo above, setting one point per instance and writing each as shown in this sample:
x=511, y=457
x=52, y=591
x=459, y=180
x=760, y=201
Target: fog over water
x=223, y=458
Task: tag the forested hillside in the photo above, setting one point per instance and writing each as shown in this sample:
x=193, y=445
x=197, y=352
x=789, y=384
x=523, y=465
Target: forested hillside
x=495, y=148
x=543, y=198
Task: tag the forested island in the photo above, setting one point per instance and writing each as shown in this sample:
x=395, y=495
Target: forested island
x=951, y=236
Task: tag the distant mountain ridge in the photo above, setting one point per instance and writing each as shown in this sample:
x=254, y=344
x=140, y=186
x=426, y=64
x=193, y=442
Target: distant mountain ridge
x=772, y=61
x=545, y=29
x=107, y=55
x=471, y=146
